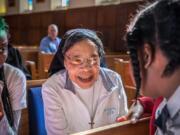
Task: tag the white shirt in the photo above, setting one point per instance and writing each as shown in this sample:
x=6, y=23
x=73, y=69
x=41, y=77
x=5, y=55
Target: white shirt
x=16, y=83
x=66, y=113
x=173, y=106
x=90, y=96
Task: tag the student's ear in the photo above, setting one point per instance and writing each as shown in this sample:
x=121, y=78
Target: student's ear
x=147, y=55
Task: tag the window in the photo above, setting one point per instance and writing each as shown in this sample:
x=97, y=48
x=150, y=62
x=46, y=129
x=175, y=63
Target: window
x=2, y=7
x=30, y=4
x=65, y=3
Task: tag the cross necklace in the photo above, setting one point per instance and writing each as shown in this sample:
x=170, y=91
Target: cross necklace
x=92, y=114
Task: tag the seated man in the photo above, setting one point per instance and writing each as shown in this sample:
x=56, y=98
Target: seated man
x=83, y=95
x=12, y=88
x=50, y=43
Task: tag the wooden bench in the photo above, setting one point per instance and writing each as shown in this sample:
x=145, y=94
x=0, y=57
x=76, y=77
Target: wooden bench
x=111, y=58
x=29, y=53
x=123, y=68
x=130, y=93
x=24, y=123
x=44, y=64
x=122, y=128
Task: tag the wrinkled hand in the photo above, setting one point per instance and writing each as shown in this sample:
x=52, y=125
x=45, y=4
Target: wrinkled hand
x=1, y=112
x=135, y=112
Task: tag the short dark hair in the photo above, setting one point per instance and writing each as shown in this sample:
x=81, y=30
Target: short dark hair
x=158, y=25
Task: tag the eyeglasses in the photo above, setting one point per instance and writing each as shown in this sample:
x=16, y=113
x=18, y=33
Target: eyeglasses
x=78, y=61
x=4, y=49
x=3, y=46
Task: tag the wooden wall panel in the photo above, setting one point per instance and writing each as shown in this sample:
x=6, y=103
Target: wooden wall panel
x=125, y=12
x=59, y=20
x=108, y=37
x=106, y=16
x=111, y=21
x=81, y=18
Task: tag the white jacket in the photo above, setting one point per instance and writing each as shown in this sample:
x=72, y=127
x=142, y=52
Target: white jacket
x=64, y=111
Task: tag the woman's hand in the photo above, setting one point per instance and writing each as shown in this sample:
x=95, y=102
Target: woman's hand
x=135, y=112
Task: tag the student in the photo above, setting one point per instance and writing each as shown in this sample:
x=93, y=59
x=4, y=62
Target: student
x=153, y=39
x=50, y=43
x=83, y=95
x=12, y=88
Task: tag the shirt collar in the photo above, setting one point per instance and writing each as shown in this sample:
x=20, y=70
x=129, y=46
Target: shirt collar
x=173, y=103
x=107, y=82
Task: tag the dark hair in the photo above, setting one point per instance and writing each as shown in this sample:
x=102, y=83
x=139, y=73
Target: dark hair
x=158, y=25
x=5, y=93
x=69, y=39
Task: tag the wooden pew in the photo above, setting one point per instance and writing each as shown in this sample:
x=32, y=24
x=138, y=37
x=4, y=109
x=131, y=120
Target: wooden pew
x=31, y=66
x=44, y=64
x=123, y=68
x=130, y=93
x=24, y=127
x=111, y=58
x=122, y=128
x=24, y=122
x=29, y=53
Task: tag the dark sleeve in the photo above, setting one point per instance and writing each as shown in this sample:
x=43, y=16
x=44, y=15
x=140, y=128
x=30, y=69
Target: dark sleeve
x=57, y=63
x=15, y=59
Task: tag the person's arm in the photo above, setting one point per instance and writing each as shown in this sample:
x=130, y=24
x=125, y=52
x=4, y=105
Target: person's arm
x=55, y=121
x=138, y=108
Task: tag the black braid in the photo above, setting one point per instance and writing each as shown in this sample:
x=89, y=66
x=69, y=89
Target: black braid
x=135, y=62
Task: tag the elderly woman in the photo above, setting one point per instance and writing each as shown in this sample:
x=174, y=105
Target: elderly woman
x=83, y=96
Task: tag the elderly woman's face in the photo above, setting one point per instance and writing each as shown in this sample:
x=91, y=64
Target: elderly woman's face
x=82, y=63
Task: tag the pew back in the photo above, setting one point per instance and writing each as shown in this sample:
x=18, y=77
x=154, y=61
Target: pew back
x=111, y=58
x=44, y=64
x=122, y=128
x=123, y=68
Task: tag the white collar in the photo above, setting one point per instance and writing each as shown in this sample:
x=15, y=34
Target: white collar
x=172, y=104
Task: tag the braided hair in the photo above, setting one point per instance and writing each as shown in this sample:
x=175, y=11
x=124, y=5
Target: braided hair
x=5, y=93
x=69, y=39
x=158, y=26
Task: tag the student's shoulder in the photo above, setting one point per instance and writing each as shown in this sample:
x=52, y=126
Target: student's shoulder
x=11, y=70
